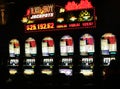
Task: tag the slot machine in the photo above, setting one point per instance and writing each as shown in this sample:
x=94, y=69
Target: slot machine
x=66, y=66
x=66, y=52
x=29, y=61
x=14, y=55
x=48, y=51
x=108, y=49
x=86, y=63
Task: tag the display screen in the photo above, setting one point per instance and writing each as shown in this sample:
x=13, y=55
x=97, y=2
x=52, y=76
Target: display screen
x=67, y=72
x=30, y=62
x=30, y=47
x=67, y=62
x=87, y=63
x=48, y=61
x=48, y=48
x=86, y=45
x=14, y=48
x=66, y=46
x=107, y=60
x=108, y=44
x=52, y=18
x=14, y=62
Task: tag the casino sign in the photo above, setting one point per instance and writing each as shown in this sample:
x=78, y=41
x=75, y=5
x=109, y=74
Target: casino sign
x=50, y=17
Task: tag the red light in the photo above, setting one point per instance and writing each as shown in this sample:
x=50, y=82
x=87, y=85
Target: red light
x=28, y=12
x=84, y=4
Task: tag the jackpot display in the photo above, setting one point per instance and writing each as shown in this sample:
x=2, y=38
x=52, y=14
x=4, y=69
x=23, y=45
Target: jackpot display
x=52, y=17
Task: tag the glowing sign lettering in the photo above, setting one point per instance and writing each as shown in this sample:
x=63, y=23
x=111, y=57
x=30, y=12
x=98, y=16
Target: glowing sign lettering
x=61, y=26
x=45, y=25
x=42, y=9
x=87, y=24
x=42, y=16
x=40, y=26
x=31, y=27
x=74, y=25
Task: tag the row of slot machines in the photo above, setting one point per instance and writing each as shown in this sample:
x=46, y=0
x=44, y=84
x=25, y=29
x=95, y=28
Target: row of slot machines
x=65, y=65
x=66, y=60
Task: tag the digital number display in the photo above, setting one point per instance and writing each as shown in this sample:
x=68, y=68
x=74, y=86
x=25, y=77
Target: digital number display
x=45, y=25
x=39, y=26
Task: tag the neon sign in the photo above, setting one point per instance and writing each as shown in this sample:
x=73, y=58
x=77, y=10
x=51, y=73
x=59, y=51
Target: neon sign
x=84, y=4
x=41, y=9
x=73, y=15
x=85, y=16
x=42, y=16
x=74, y=25
x=39, y=12
x=41, y=26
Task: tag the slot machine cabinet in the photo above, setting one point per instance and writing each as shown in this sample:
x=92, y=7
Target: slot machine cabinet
x=86, y=61
x=108, y=49
x=86, y=67
x=29, y=62
x=14, y=54
x=47, y=67
x=48, y=51
x=29, y=65
x=66, y=52
x=66, y=66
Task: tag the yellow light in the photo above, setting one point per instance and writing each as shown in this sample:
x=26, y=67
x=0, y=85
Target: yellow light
x=46, y=71
x=28, y=71
x=87, y=72
x=30, y=21
x=12, y=71
x=73, y=18
x=51, y=66
x=60, y=20
x=24, y=20
x=62, y=10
